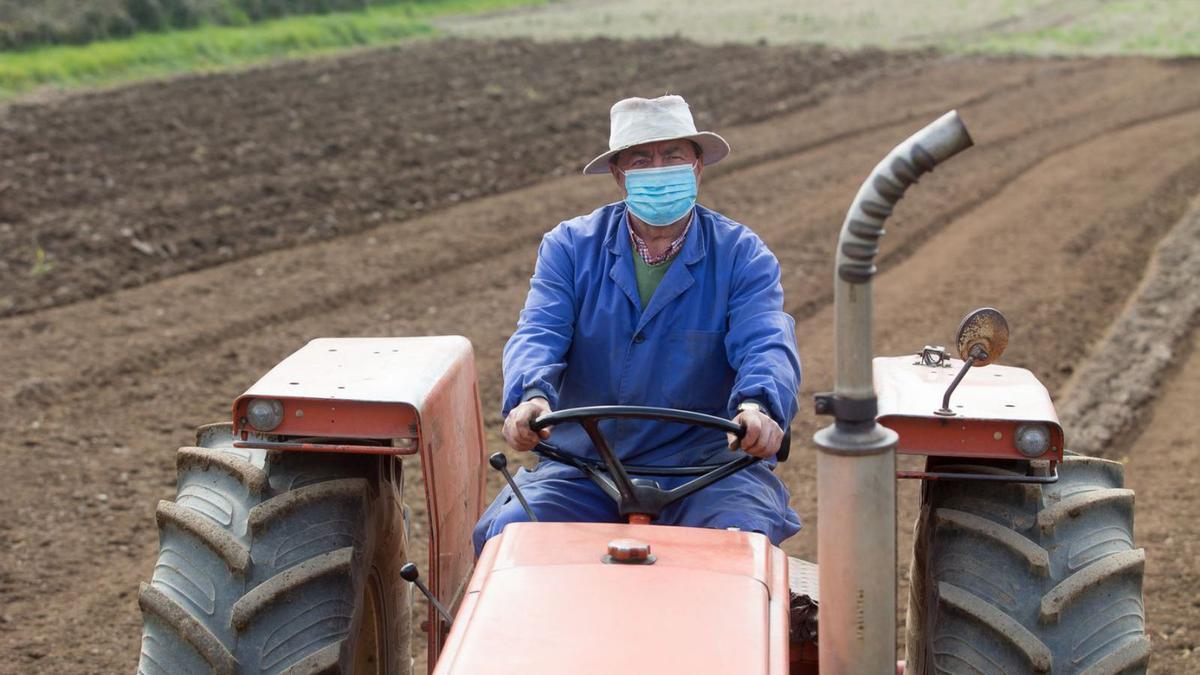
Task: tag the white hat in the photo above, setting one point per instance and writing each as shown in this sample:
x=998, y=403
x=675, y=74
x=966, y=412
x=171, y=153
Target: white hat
x=647, y=120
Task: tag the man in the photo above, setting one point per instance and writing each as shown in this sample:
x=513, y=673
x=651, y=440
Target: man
x=657, y=301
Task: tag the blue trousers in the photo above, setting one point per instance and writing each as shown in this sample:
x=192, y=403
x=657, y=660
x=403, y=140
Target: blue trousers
x=752, y=500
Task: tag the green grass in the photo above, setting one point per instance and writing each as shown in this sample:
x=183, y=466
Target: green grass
x=1146, y=27
x=1163, y=28
x=211, y=47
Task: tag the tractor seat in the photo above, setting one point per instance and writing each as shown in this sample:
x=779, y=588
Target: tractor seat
x=802, y=582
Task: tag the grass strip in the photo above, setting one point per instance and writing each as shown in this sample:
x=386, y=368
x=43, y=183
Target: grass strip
x=1162, y=28
x=215, y=47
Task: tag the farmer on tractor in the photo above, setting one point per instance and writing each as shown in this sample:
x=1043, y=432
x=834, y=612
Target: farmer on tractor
x=653, y=301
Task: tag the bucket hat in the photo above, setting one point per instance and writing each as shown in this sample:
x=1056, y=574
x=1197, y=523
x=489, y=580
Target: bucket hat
x=634, y=121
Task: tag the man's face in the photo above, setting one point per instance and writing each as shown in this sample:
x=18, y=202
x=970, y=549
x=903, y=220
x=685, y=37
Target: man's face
x=653, y=155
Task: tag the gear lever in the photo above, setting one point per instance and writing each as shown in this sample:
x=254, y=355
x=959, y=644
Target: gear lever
x=500, y=463
x=411, y=574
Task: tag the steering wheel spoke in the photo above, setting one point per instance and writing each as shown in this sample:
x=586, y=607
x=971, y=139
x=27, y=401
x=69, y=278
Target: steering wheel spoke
x=711, y=477
x=638, y=497
x=620, y=479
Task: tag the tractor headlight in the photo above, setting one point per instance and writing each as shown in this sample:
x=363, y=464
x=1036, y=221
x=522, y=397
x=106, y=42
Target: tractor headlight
x=1032, y=440
x=264, y=414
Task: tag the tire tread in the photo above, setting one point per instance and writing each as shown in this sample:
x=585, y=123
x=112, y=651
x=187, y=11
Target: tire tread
x=204, y=459
x=289, y=581
x=1065, y=592
x=224, y=544
x=233, y=511
x=153, y=601
x=1071, y=507
x=1036, y=556
x=1134, y=656
x=1075, y=607
x=324, y=661
x=280, y=507
x=984, y=613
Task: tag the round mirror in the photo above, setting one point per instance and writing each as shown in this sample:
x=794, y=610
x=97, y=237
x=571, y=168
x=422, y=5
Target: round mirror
x=984, y=331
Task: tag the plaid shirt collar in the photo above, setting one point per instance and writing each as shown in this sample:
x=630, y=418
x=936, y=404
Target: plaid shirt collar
x=675, y=247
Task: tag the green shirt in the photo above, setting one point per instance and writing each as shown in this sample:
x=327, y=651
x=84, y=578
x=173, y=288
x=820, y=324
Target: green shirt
x=649, y=276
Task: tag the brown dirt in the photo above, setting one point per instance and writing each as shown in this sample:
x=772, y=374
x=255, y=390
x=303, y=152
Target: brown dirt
x=1108, y=395
x=125, y=187
x=1172, y=539
x=1081, y=167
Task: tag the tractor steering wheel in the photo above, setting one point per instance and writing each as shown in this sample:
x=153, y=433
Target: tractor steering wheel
x=639, y=496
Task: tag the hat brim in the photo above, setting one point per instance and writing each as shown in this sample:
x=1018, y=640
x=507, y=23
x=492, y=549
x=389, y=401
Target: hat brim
x=713, y=149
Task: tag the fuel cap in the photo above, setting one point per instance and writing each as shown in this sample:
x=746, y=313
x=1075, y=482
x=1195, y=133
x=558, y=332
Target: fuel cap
x=628, y=552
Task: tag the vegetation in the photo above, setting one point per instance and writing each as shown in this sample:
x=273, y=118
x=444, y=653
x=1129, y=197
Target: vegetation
x=1153, y=27
x=213, y=46
x=1079, y=27
x=27, y=23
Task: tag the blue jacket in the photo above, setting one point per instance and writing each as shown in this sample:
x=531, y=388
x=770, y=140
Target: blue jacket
x=713, y=335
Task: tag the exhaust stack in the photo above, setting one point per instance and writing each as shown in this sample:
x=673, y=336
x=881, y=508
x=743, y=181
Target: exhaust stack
x=856, y=465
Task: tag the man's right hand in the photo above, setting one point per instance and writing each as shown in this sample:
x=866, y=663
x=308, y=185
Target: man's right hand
x=517, y=433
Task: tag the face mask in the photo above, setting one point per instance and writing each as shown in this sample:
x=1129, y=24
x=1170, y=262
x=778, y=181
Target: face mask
x=662, y=195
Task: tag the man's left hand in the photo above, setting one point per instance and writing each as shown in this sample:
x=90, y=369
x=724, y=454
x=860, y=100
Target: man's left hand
x=763, y=436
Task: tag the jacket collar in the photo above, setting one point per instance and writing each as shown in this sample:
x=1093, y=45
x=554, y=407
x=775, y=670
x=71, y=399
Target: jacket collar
x=617, y=240
x=677, y=280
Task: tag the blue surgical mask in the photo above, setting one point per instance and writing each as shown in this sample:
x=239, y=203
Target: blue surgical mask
x=661, y=195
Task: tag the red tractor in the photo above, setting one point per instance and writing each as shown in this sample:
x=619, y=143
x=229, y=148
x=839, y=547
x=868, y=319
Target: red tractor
x=285, y=548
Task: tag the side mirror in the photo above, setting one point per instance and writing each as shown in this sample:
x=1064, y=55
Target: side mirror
x=982, y=336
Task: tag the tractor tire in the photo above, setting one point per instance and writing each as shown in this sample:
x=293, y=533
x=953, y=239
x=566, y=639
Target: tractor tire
x=277, y=562
x=1021, y=578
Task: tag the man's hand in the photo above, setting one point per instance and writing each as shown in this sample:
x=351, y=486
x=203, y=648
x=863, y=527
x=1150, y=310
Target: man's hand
x=517, y=433
x=763, y=436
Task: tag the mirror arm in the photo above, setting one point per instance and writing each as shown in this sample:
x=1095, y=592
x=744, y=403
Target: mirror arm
x=978, y=353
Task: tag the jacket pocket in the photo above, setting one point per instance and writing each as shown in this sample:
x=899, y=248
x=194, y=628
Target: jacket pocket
x=695, y=370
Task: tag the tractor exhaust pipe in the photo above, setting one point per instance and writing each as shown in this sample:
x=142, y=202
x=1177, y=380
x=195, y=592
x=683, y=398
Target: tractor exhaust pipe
x=856, y=465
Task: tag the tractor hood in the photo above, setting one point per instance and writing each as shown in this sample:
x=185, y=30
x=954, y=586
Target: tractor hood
x=543, y=601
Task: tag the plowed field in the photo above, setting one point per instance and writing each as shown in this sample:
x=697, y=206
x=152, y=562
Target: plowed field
x=196, y=231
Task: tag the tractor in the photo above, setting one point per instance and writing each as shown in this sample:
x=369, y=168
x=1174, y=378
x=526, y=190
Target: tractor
x=285, y=549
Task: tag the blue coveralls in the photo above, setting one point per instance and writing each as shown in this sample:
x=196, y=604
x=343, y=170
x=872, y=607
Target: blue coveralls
x=714, y=334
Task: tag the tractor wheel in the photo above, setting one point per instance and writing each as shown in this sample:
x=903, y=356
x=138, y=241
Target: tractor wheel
x=1017, y=578
x=276, y=562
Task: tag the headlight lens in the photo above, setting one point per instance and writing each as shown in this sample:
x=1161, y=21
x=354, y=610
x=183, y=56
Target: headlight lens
x=264, y=414
x=1032, y=440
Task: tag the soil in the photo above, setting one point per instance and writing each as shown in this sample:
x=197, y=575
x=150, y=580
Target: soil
x=1172, y=544
x=1059, y=27
x=1108, y=395
x=125, y=187
x=403, y=192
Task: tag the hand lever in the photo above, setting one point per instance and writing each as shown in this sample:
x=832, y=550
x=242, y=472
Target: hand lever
x=500, y=463
x=411, y=574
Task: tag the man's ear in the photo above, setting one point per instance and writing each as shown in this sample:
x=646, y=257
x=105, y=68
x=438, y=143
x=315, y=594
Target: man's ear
x=617, y=176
